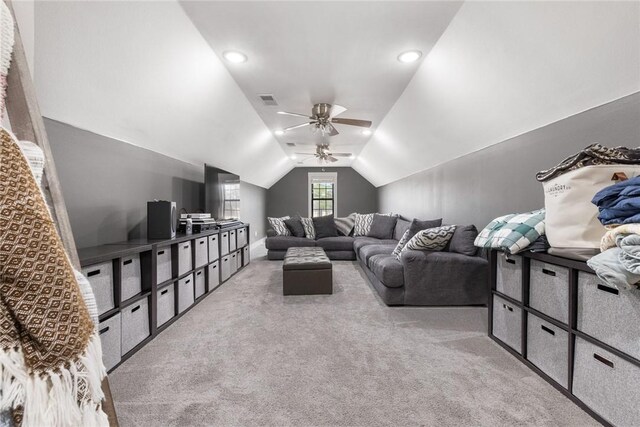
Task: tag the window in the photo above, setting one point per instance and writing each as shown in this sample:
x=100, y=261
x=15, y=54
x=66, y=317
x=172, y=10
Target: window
x=232, y=200
x=322, y=194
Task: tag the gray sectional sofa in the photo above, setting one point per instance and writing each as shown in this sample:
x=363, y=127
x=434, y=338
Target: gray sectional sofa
x=456, y=276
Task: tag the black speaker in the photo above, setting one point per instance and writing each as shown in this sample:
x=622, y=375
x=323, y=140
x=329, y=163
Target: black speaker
x=161, y=219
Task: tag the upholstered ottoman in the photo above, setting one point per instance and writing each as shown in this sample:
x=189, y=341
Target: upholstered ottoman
x=306, y=271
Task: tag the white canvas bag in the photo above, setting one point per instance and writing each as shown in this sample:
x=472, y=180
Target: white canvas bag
x=572, y=220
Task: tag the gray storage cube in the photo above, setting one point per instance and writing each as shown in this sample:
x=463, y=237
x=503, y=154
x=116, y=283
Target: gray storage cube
x=185, y=260
x=509, y=276
x=241, y=237
x=166, y=304
x=225, y=268
x=549, y=290
x=238, y=260
x=110, y=331
x=234, y=263
x=185, y=293
x=245, y=256
x=607, y=384
x=214, y=251
x=547, y=348
x=130, y=277
x=101, y=279
x=202, y=256
x=200, y=283
x=507, y=323
x=232, y=240
x=224, y=243
x=610, y=315
x=163, y=264
x=214, y=275
x=135, y=324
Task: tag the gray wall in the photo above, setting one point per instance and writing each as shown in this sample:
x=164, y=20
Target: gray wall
x=106, y=184
x=501, y=179
x=290, y=195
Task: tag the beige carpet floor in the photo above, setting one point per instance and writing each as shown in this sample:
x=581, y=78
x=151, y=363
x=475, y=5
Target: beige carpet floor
x=247, y=356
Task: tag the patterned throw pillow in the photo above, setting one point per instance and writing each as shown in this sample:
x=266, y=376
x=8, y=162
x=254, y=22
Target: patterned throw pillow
x=309, y=229
x=401, y=243
x=363, y=223
x=512, y=233
x=431, y=239
x=279, y=226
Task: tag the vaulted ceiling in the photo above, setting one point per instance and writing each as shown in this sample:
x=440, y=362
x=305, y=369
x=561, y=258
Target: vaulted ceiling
x=152, y=74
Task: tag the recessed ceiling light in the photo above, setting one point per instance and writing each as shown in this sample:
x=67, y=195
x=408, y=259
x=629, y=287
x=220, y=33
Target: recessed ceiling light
x=293, y=157
x=279, y=132
x=366, y=132
x=352, y=157
x=234, y=56
x=409, y=56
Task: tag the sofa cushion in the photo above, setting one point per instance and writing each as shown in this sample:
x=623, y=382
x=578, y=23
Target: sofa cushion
x=462, y=240
x=345, y=225
x=338, y=243
x=366, y=252
x=382, y=226
x=295, y=227
x=360, y=242
x=388, y=270
x=281, y=243
x=402, y=225
x=325, y=226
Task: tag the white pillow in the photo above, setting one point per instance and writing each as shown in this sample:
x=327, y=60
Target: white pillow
x=279, y=226
x=309, y=229
x=401, y=244
x=431, y=239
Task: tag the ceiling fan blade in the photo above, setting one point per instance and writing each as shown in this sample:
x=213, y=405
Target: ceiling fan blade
x=297, y=126
x=286, y=113
x=335, y=110
x=352, y=122
x=341, y=154
x=332, y=159
x=305, y=154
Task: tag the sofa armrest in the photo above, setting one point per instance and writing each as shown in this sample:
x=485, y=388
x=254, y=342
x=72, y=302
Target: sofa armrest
x=444, y=278
x=271, y=232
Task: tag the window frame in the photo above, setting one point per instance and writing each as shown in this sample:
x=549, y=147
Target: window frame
x=323, y=178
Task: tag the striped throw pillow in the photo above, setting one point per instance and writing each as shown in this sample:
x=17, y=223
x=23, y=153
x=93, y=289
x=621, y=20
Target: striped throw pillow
x=431, y=239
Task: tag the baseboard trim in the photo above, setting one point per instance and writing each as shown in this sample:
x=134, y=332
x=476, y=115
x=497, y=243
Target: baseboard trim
x=258, y=244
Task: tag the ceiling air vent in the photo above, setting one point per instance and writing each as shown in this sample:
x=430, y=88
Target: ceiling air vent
x=291, y=144
x=268, y=99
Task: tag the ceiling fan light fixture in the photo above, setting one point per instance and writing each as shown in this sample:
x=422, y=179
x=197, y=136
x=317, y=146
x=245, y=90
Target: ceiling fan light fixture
x=234, y=56
x=366, y=132
x=409, y=56
x=279, y=132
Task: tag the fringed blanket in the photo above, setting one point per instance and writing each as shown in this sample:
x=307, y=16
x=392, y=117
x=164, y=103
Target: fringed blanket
x=50, y=357
x=6, y=48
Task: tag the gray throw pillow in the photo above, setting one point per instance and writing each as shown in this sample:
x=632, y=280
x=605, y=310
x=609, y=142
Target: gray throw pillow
x=401, y=226
x=462, y=240
x=295, y=227
x=382, y=226
x=325, y=227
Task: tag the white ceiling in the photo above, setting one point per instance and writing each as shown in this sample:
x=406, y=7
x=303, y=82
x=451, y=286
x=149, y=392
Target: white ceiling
x=502, y=69
x=310, y=52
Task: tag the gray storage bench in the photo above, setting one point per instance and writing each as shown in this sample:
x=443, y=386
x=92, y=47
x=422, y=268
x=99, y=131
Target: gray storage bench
x=306, y=271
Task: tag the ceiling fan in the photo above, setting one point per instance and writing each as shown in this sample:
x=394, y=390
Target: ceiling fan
x=323, y=117
x=324, y=155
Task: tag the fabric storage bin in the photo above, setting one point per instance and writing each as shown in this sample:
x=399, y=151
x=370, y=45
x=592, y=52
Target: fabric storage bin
x=225, y=268
x=135, y=324
x=241, y=237
x=549, y=290
x=507, y=323
x=163, y=264
x=224, y=243
x=185, y=259
x=185, y=293
x=214, y=275
x=233, y=263
x=200, y=283
x=509, y=276
x=202, y=255
x=214, y=252
x=232, y=241
x=166, y=304
x=238, y=260
x=130, y=277
x=109, y=331
x=245, y=256
x=609, y=315
x=547, y=348
x=607, y=384
x=100, y=277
